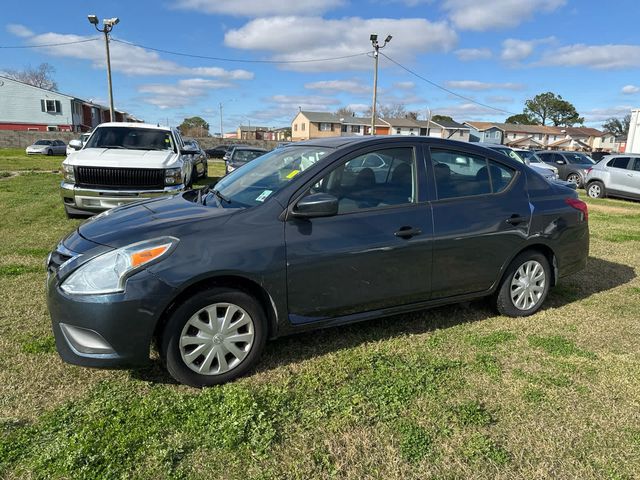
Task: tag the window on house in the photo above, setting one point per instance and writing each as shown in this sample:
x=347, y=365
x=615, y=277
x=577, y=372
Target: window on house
x=398, y=131
x=295, y=127
x=539, y=136
x=52, y=128
x=325, y=127
x=461, y=133
x=343, y=129
x=51, y=106
x=302, y=126
x=497, y=134
x=355, y=128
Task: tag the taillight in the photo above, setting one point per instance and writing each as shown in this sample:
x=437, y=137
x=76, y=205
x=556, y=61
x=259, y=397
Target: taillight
x=579, y=205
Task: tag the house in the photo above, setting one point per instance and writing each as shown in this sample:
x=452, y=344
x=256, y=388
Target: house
x=361, y=126
x=485, y=132
x=534, y=137
x=307, y=125
x=448, y=129
x=404, y=126
x=25, y=107
x=254, y=133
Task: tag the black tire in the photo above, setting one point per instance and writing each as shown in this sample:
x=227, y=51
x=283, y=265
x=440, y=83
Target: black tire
x=575, y=178
x=596, y=189
x=49, y=152
x=503, y=297
x=73, y=216
x=170, y=349
x=205, y=170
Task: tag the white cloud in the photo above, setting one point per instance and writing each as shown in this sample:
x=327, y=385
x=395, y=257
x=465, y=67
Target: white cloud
x=492, y=14
x=480, y=86
x=630, y=89
x=330, y=86
x=602, y=114
x=499, y=99
x=515, y=50
x=259, y=8
x=404, y=85
x=181, y=94
x=470, y=54
x=600, y=57
x=359, y=107
x=282, y=108
x=303, y=38
x=19, y=30
x=125, y=58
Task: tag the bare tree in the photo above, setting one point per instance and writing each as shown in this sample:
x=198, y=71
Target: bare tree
x=41, y=76
x=345, y=112
x=396, y=110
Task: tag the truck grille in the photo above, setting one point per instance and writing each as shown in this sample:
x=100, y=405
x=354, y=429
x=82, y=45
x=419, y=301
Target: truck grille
x=129, y=178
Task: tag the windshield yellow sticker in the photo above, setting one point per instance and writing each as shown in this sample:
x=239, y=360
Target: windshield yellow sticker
x=293, y=174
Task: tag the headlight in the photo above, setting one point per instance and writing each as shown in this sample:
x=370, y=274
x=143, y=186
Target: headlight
x=107, y=273
x=69, y=174
x=173, y=176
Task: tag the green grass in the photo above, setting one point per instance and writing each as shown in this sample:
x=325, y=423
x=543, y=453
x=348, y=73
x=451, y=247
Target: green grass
x=453, y=392
x=12, y=159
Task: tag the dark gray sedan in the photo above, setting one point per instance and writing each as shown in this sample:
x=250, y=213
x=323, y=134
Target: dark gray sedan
x=572, y=166
x=299, y=239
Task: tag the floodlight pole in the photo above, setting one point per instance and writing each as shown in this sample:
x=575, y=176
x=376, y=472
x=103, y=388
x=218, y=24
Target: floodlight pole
x=376, y=49
x=107, y=26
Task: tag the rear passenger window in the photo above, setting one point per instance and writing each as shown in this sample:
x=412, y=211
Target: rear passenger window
x=636, y=164
x=619, y=162
x=460, y=174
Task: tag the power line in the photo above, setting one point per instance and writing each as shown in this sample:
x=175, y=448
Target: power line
x=446, y=89
x=221, y=59
x=43, y=45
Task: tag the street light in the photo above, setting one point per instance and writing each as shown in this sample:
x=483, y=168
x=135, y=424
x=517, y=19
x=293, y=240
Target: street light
x=107, y=26
x=376, y=48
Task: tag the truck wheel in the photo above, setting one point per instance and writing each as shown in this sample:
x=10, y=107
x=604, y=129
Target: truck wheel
x=525, y=285
x=596, y=189
x=213, y=337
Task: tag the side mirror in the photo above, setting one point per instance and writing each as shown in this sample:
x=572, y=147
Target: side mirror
x=75, y=144
x=560, y=162
x=316, y=205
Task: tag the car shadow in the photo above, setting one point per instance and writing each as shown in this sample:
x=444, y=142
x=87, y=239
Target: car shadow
x=599, y=276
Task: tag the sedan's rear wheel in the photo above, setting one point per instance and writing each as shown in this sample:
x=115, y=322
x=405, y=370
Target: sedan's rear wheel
x=524, y=286
x=575, y=179
x=49, y=152
x=213, y=337
x=596, y=190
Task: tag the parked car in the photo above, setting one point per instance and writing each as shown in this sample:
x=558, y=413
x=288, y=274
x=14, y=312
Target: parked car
x=530, y=157
x=217, y=151
x=47, y=147
x=240, y=156
x=230, y=150
x=547, y=173
x=75, y=145
x=124, y=163
x=572, y=166
x=615, y=176
x=197, y=157
x=293, y=242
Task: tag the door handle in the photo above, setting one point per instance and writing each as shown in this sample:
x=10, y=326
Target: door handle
x=629, y=174
x=516, y=220
x=407, y=232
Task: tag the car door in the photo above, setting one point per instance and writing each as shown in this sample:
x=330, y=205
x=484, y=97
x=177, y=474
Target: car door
x=630, y=178
x=481, y=217
x=375, y=253
x=617, y=169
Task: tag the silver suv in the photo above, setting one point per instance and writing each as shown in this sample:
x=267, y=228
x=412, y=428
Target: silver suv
x=615, y=176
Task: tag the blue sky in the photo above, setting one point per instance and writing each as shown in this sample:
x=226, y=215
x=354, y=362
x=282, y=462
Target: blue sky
x=497, y=52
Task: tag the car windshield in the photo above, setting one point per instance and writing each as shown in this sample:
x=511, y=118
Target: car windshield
x=253, y=183
x=579, y=159
x=43, y=142
x=246, y=155
x=131, y=138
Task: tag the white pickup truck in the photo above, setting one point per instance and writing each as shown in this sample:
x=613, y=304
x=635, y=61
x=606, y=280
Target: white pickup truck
x=122, y=163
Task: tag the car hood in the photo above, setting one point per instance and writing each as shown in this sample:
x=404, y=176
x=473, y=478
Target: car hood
x=123, y=158
x=153, y=218
x=38, y=147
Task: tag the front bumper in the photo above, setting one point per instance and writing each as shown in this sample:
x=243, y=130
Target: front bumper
x=88, y=200
x=108, y=331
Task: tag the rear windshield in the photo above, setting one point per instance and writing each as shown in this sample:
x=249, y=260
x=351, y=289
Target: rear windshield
x=43, y=142
x=131, y=139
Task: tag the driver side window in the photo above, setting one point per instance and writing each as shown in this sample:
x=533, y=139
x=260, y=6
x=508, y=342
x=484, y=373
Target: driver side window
x=375, y=179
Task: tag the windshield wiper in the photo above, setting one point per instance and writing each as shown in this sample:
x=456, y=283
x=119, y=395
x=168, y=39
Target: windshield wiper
x=111, y=146
x=220, y=196
x=204, y=191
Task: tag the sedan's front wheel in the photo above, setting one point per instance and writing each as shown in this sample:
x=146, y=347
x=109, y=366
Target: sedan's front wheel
x=596, y=190
x=213, y=337
x=524, y=286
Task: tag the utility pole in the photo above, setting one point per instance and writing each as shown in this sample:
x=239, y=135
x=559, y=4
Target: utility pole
x=221, y=130
x=107, y=26
x=376, y=49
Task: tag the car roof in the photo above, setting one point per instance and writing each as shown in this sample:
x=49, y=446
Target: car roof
x=247, y=147
x=134, y=125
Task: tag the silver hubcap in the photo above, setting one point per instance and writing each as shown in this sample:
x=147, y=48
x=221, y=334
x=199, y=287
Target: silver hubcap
x=573, y=179
x=527, y=285
x=594, y=191
x=216, y=339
